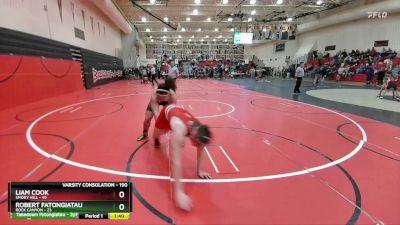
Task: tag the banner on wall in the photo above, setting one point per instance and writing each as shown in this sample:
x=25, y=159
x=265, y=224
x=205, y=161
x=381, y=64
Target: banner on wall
x=105, y=74
x=330, y=48
x=384, y=43
x=79, y=33
x=280, y=47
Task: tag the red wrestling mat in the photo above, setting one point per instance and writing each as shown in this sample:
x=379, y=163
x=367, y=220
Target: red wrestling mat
x=273, y=160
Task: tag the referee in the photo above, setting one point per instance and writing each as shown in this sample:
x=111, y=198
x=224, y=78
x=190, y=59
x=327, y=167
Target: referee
x=299, y=77
x=173, y=72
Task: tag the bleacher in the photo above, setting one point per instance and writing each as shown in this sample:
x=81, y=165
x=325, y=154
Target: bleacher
x=357, y=77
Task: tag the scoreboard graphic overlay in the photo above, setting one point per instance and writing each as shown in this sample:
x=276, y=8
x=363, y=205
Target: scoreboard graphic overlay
x=69, y=200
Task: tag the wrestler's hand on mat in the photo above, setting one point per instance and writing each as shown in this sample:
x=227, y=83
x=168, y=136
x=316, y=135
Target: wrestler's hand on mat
x=203, y=175
x=183, y=201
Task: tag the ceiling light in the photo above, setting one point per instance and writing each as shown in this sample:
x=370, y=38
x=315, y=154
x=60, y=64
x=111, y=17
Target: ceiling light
x=187, y=19
x=166, y=19
x=150, y=37
x=214, y=39
x=249, y=19
x=177, y=40
x=232, y=29
x=199, y=29
x=264, y=29
x=226, y=40
x=216, y=29
x=190, y=39
x=183, y=29
x=220, y=36
x=165, y=29
x=209, y=19
x=202, y=39
x=192, y=36
x=152, y=40
x=196, y=1
x=253, y=12
x=225, y=2
x=290, y=19
x=319, y=2
x=147, y=29
x=230, y=19
x=164, y=40
x=164, y=36
x=152, y=2
x=278, y=2
x=179, y=36
x=206, y=36
x=144, y=19
x=195, y=12
x=252, y=2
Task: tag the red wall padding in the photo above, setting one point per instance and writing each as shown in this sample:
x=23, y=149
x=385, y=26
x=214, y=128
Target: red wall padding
x=25, y=79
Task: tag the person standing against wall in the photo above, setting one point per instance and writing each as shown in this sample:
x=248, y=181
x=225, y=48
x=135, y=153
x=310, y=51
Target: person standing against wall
x=299, y=77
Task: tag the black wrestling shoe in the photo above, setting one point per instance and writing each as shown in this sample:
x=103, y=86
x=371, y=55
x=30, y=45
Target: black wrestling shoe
x=142, y=137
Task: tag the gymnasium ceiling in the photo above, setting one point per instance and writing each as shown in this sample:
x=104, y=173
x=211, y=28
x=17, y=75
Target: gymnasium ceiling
x=177, y=19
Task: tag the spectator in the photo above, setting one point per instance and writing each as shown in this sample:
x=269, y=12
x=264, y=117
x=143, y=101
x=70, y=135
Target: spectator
x=344, y=54
x=358, y=53
x=252, y=72
x=324, y=71
x=318, y=74
x=342, y=72
x=362, y=69
x=348, y=59
x=381, y=75
x=391, y=84
x=351, y=70
x=388, y=62
x=373, y=52
x=144, y=74
x=370, y=73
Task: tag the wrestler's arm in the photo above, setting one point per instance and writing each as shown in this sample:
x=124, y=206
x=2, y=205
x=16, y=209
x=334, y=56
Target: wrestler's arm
x=172, y=95
x=200, y=156
x=177, y=142
x=154, y=105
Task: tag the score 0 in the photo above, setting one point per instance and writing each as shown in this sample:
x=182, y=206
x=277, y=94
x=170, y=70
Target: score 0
x=121, y=196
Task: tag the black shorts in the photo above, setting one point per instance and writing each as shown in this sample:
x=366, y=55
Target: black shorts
x=392, y=84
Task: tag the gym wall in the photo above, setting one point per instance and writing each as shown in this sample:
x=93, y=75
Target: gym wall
x=34, y=68
x=59, y=20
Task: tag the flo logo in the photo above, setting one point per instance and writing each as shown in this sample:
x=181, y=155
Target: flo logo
x=379, y=15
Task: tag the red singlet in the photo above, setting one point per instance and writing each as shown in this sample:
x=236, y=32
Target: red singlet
x=169, y=111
